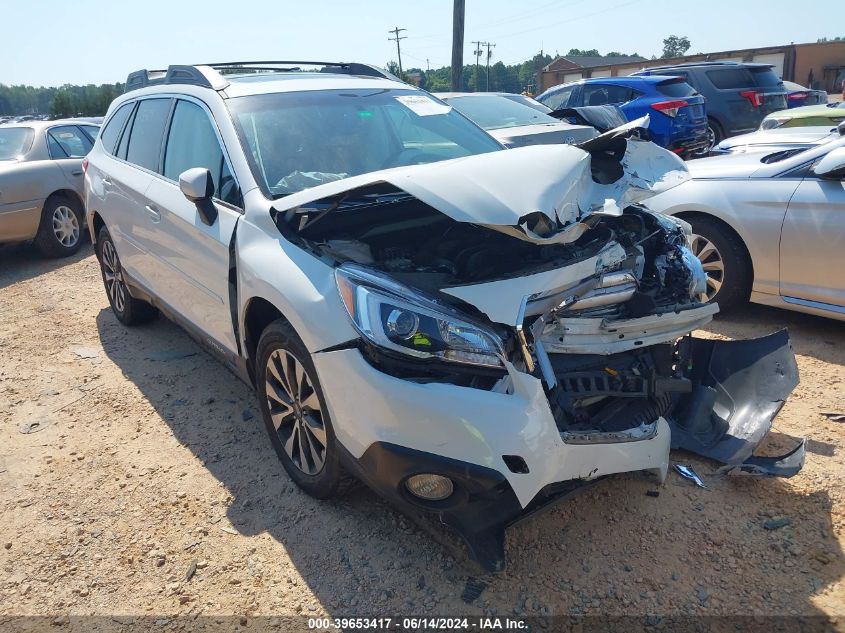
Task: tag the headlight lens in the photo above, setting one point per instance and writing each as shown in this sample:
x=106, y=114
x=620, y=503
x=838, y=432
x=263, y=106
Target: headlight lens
x=395, y=317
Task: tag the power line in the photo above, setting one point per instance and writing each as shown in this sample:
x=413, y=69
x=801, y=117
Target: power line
x=396, y=37
x=580, y=17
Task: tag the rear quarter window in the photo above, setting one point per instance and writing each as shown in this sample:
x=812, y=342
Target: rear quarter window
x=114, y=125
x=766, y=78
x=730, y=78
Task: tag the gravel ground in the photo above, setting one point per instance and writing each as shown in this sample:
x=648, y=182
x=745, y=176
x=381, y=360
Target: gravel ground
x=149, y=487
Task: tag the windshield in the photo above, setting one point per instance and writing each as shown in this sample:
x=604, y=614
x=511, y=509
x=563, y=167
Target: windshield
x=531, y=103
x=297, y=140
x=493, y=112
x=15, y=141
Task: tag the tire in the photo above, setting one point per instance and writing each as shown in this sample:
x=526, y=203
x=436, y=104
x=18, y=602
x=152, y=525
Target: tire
x=60, y=230
x=725, y=260
x=296, y=418
x=127, y=309
x=715, y=133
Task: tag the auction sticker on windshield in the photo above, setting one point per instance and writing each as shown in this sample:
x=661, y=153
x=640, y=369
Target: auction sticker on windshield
x=422, y=105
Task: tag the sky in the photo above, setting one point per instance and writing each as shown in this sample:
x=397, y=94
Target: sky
x=53, y=42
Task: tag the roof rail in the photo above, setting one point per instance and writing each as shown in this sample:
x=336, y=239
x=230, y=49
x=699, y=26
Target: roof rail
x=213, y=75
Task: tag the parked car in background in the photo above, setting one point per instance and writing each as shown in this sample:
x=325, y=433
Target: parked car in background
x=768, y=226
x=513, y=122
x=777, y=139
x=677, y=112
x=738, y=95
x=797, y=95
x=41, y=183
x=447, y=319
x=830, y=114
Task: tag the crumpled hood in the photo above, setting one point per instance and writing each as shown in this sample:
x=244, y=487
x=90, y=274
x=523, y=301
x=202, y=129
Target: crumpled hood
x=501, y=190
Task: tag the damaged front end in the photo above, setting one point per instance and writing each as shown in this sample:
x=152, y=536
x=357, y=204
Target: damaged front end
x=538, y=266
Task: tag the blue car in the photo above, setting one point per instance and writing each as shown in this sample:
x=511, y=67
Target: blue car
x=678, y=120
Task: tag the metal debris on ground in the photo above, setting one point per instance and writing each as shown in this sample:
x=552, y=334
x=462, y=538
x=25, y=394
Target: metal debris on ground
x=652, y=493
x=688, y=473
x=834, y=416
x=473, y=589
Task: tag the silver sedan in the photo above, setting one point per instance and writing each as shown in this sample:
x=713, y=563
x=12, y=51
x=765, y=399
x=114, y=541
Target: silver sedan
x=769, y=226
x=41, y=183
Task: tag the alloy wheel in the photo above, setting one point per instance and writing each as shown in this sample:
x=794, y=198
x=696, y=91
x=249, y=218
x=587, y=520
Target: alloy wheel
x=295, y=411
x=65, y=226
x=712, y=262
x=115, y=285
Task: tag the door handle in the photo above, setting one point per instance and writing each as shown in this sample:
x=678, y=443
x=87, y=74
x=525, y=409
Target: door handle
x=76, y=172
x=155, y=214
x=106, y=182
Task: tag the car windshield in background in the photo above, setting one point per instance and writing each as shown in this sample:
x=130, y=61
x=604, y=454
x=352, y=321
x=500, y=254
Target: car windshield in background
x=297, y=140
x=15, y=141
x=528, y=101
x=676, y=88
x=493, y=112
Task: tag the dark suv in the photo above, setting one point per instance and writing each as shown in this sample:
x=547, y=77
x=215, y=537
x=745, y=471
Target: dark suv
x=738, y=95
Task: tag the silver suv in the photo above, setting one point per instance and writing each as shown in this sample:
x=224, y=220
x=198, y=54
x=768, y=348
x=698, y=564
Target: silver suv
x=473, y=331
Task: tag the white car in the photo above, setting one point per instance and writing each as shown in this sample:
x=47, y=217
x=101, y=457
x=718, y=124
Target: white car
x=769, y=226
x=473, y=331
x=778, y=139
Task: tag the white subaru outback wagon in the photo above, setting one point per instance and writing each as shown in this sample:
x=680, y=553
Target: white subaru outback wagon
x=474, y=331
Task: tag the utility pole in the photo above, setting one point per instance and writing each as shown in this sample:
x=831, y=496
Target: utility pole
x=477, y=52
x=396, y=37
x=458, y=10
x=489, y=54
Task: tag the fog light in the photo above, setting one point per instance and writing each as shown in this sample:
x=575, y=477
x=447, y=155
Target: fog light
x=430, y=487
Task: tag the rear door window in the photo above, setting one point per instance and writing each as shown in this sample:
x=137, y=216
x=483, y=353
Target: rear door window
x=730, y=78
x=115, y=124
x=192, y=142
x=67, y=141
x=603, y=94
x=144, y=147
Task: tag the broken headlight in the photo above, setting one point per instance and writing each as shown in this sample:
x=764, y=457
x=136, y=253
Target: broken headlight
x=395, y=317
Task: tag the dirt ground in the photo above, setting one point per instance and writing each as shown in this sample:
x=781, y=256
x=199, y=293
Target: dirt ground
x=149, y=487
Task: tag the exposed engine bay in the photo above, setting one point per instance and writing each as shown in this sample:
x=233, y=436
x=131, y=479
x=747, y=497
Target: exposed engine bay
x=584, y=288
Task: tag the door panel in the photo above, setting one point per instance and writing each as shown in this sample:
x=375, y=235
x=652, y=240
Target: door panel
x=812, y=246
x=190, y=263
x=123, y=189
x=190, y=260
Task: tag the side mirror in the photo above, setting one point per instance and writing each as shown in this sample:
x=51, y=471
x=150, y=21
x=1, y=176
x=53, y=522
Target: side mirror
x=831, y=166
x=197, y=185
x=841, y=128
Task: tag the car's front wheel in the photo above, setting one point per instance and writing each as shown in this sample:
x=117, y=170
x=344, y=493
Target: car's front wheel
x=126, y=308
x=725, y=261
x=294, y=411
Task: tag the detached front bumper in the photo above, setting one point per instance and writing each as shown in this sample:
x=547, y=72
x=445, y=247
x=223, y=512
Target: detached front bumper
x=391, y=428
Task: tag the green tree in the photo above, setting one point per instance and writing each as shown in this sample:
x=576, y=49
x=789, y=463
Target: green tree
x=63, y=105
x=675, y=46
